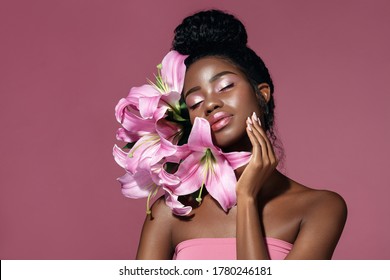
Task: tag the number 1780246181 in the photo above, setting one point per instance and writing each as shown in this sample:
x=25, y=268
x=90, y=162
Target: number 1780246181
x=232, y=270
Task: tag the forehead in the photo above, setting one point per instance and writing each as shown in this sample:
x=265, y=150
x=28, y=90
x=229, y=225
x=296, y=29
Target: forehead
x=207, y=67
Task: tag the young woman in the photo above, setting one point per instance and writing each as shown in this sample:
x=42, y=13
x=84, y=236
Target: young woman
x=227, y=84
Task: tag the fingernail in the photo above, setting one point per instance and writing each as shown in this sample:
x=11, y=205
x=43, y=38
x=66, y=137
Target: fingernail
x=249, y=126
x=249, y=120
x=254, y=117
x=258, y=120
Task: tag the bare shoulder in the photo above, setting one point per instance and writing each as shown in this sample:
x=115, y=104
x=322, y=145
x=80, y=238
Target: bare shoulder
x=324, y=201
x=156, y=241
x=323, y=217
x=322, y=209
x=160, y=211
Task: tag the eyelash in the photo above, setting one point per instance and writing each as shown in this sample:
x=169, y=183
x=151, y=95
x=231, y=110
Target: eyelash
x=195, y=105
x=227, y=87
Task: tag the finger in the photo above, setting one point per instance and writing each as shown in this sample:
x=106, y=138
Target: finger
x=259, y=127
x=257, y=132
x=270, y=149
x=256, y=149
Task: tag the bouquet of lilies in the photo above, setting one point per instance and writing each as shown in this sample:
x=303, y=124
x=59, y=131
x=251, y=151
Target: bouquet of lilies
x=154, y=121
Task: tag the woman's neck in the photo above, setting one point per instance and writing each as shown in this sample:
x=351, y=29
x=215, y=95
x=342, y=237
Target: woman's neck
x=275, y=184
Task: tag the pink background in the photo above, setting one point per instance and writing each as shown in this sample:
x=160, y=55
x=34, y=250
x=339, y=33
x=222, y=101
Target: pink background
x=65, y=64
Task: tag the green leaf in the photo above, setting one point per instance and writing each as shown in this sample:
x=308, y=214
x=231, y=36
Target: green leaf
x=177, y=117
x=129, y=145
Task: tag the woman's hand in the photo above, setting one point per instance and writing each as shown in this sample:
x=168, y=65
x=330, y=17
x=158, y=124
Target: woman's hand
x=262, y=163
x=249, y=232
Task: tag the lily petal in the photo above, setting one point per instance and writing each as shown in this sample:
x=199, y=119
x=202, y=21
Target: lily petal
x=181, y=153
x=168, y=130
x=221, y=184
x=177, y=207
x=173, y=70
x=119, y=109
x=138, y=185
x=200, y=137
x=148, y=105
x=145, y=90
x=140, y=154
x=133, y=121
x=119, y=156
x=162, y=177
x=154, y=154
x=191, y=174
x=127, y=136
x=171, y=100
x=238, y=159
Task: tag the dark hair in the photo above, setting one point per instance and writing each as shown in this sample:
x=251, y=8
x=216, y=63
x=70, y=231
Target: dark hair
x=215, y=33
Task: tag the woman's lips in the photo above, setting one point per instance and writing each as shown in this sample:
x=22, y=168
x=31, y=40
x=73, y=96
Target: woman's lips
x=219, y=121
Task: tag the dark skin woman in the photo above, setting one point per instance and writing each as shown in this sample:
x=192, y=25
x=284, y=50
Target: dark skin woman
x=269, y=204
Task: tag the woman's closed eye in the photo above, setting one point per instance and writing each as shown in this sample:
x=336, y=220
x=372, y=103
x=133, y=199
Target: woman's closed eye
x=227, y=87
x=194, y=101
x=195, y=105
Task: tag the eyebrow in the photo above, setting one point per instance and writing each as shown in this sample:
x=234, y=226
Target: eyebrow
x=212, y=79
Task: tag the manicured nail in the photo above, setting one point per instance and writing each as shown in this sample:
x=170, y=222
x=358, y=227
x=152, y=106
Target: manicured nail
x=249, y=126
x=258, y=120
x=249, y=120
x=254, y=117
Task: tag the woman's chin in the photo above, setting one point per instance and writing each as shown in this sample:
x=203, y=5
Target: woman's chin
x=232, y=144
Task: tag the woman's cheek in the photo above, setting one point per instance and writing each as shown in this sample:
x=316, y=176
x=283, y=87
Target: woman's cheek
x=233, y=99
x=243, y=101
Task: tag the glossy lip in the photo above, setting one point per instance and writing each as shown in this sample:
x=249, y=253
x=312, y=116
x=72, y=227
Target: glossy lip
x=219, y=120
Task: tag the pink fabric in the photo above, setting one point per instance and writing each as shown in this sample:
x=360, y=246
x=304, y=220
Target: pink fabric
x=224, y=249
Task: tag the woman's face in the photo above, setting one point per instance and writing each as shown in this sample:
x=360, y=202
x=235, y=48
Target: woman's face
x=218, y=91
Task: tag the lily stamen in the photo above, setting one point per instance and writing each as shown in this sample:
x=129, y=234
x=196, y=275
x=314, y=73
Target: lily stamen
x=199, y=198
x=161, y=85
x=152, y=193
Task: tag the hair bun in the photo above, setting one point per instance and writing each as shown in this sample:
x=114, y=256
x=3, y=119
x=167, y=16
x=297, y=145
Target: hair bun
x=209, y=29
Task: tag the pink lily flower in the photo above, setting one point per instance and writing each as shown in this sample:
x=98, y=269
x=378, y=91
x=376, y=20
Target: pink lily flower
x=145, y=183
x=150, y=148
x=134, y=126
x=150, y=102
x=205, y=165
x=169, y=84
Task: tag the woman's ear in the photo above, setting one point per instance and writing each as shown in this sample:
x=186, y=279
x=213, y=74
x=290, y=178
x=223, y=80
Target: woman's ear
x=265, y=91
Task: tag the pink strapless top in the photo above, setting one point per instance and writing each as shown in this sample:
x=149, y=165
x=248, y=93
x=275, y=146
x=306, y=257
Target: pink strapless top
x=225, y=249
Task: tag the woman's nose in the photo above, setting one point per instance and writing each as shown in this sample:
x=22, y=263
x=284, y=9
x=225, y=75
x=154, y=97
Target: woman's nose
x=212, y=102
